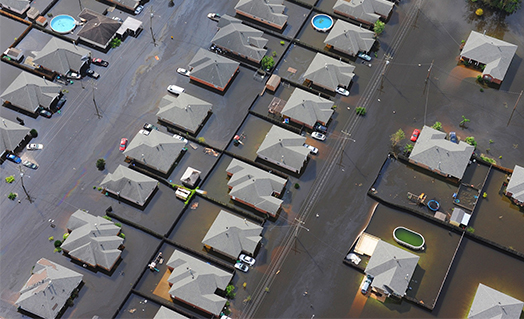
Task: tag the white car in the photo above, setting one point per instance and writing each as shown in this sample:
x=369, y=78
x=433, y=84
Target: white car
x=34, y=146
x=144, y=132
x=213, y=16
x=183, y=139
x=318, y=136
x=139, y=9
x=242, y=267
x=30, y=164
x=175, y=89
x=341, y=90
x=183, y=71
x=313, y=150
x=247, y=259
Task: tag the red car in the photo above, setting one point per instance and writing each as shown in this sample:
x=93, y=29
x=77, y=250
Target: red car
x=123, y=144
x=100, y=62
x=415, y=135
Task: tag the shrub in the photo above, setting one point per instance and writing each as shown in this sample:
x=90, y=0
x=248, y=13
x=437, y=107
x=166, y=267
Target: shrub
x=488, y=159
x=267, y=63
x=10, y=179
x=33, y=132
x=267, y=289
x=244, y=285
x=64, y=237
x=481, y=90
x=51, y=238
x=396, y=137
x=379, y=27
x=484, y=195
x=297, y=186
x=122, y=235
x=11, y=196
x=230, y=292
x=464, y=121
x=479, y=12
x=57, y=250
x=201, y=139
x=58, y=243
x=118, y=225
x=115, y=43
x=282, y=42
x=107, y=217
x=490, y=141
x=360, y=111
x=101, y=164
x=471, y=141
x=408, y=148
x=470, y=229
x=437, y=126
x=480, y=79
x=274, y=54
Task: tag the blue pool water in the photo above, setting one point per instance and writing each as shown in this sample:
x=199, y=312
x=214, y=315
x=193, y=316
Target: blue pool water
x=63, y=23
x=322, y=22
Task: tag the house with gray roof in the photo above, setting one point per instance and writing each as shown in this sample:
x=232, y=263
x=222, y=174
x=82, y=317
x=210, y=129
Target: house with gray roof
x=391, y=268
x=493, y=304
x=18, y=7
x=29, y=92
x=255, y=187
x=240, y=39
x=349, y=38
x=14, y=137
x=98, y=30
x=130, y=185
x=93, y=240
x=129, y=5
x=328, y=73
x=212, y=70
x=45, y=293
x=284, y=148
x=184, y=112
x=157, y=151
x=269, y=12
x=166, y=313
x=232, y=235
x=515, y=188
x=493, y=54
x=195, y=281
x=131, y=26
x=364, y=11
x=60, y=57
x=435, y=153
x=306, y=108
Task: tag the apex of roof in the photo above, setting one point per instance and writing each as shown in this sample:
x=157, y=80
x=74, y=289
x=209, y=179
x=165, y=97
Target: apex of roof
x=516, y=183
x=130, y=184
x=490, y=303
x=328, y=72
x=308, y=108
x=350, y=38
x=268, y=10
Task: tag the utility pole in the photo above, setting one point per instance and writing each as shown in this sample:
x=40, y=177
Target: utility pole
x=299, y=224
x=151, y=25
x=429, y=71
x=346, y=137
x=514, y=108
x=96, y=106
x=23, y=186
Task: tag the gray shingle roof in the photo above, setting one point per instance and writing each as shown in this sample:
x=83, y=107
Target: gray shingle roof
x=166, y=313
x=12, y=134
x=157, y=150
x=283, y=146
x=434, y=151
x=391, y=267
x=232, y=235
x=47, y=290
x=185, y=111
x=364, y=10
x=347, y=37
x=516, y=184
x=195, y=281
x=239, y=38
x=18, y=6
x=491, y=303
x=93, y=240
x=190, y=177
x=29, y=92
x=98, y=29
x=212, y=68
x=267, y=10
x=494, y=53
x=328, y=72
x=61, y=56
x=308, y=108
x=129, y=184
x=255, y=186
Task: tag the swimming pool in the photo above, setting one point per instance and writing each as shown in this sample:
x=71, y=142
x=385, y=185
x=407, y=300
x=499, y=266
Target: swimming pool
x=322, y=22
x=63, y=23
x=409, y=238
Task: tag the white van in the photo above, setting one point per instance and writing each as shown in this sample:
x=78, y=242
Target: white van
x=175, y=89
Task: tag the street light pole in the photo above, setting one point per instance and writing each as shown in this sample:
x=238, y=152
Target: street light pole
x=23, y=186
x=151, y=25
x=346, y=137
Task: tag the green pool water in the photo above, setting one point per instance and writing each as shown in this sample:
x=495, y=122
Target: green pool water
x=409, y=237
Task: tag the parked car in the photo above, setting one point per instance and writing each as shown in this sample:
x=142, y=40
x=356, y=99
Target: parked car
x=364, y=56
x=342, y=91
x=92, y=74
x=123, y=144
x=150, y=127
x=415, y=134
x=29, y=164
x=117, y=19
x=318, y=136
x=144, y=132
x=247, y=259
x=13, y=158
x=178, y=137
x=453, y=137
x=313, y=150
x=139, y=9
x=175, y=89
x=100, y=62
x=73, y=75
x=34, y=146
x=242, y=267
x=183, y=71
x=60, y=103
x=213, y=16
x=366, y=284
x=320, y=128
x=45, y=113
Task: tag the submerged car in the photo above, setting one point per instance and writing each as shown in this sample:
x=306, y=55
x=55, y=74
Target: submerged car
x=415, y=134
x=123, y=144
x=150, y=127
x=242, y=267
x=313, y=150
x=100, y=62
x=175, y=89
x=13, y=158
x=318, y=136
x=183, y=71
x=247, y=259
x=364, y=56
x=213, y=16
x=453, y=137
x=320, y=128
x=342, y=91
x=73, y=75
x=139, y=9
x=60, y=103
x=144, y=132
x=183, y=139
x=29, y=164
x=34, y=146
x=366, y=284
x=92, y=74
x=45, y=113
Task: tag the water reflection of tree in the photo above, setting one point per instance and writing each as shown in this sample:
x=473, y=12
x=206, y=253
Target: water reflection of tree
x=492, y=21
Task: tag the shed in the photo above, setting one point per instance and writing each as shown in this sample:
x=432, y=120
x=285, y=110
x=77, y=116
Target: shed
x=273, y=82
x=459, y=217
x=191, y=177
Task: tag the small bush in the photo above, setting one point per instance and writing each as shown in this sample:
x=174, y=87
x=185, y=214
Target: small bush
x=487, y=159
x=230, y=292
x=107, y=217
x=379, y=27
x=484, y=195
x=115, y=43
x=100, y=164
x=437, y=126
x=10, y=179
x=64, y=237
x=118, y=225
x=297, y=186
x=408, y=148
x=481, y=90
x=122, y=235
x=471, y=141
x=490, y=141
x=470, y=229
x=274, y=54
x=201, y=139
x=34, y=133
x=57, y=250
x=51, y=238
x=11, y=196
x=360, y=111
x=244, y=285
x=479, y=12
x=58, y=243
x=282, y=42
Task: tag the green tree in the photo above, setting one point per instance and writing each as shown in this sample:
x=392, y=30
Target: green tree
x=379, y=27
x=471, y=141
x=437, y=126
x=100, y=164
x=115, y=43
x=267, y=63
x=397, y=137
x=230, y=292
x=360, y=111
x=464, y=121
x=33, y=132
x=408, y=148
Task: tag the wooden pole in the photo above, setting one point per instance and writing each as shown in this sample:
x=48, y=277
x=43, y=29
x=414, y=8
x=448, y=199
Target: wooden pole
x=514, y=108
